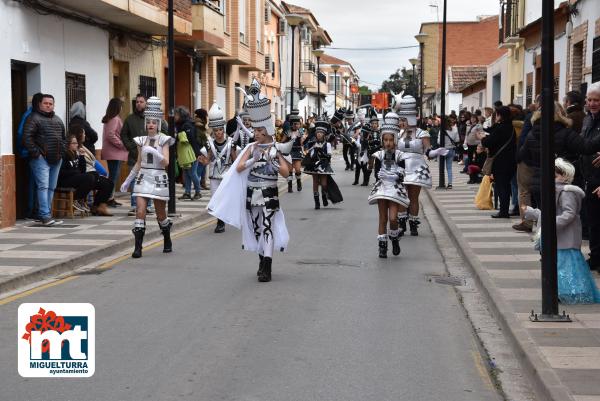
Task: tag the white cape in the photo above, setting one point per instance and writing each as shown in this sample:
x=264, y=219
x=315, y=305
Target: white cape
x=229, y=204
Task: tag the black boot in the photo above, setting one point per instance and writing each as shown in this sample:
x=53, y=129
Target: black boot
x=367, y=174
x=166, y=232
x=260, y=265
x=298, y=183
x=138, y=233
x=395, y=245
x=414, y=227
x=402, y=225
x=317, y=201
x=220, y=226
x=325, y=203
x=265, y=274
x=383, y=248
x=356, y=176
x=290, y=189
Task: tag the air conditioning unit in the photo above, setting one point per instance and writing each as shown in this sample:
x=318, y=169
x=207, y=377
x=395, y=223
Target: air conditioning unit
x=282, y=27
x=268, y=62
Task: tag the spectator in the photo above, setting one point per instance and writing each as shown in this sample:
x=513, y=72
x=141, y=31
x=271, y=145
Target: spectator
x=524, y=173
x=134, y=126
x=32, y=212
x=73, y=174
x=434, y=133
x=471, y=140
x=44, y=138
x=591, y=174
x=463, y=124
x=476, y=164
x=574, y=107
x=77, y=113
x=452, y=140
x=113, y=149
x=501, y=144
x=185, y=125
x=201, y=119
x=488, y=111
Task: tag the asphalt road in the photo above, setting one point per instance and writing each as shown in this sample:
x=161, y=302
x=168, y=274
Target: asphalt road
x=336, y=322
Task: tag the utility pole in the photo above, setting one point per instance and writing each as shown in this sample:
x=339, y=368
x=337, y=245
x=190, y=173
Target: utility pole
x=171, y=78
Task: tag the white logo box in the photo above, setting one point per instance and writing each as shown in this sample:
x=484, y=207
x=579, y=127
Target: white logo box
x=77, y=362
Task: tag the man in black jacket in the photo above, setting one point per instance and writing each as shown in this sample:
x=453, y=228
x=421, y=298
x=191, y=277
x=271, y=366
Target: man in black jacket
x=44, y=138
x=591, y=173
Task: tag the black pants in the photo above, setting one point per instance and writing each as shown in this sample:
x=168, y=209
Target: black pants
x=84, y=183
x=592, y=205
x=503, y=190
x=348, y=154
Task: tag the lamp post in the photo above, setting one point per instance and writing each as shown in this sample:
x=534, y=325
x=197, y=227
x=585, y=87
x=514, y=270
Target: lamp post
x=414, y=61
x=548, y=206
x=346, y=77
x=442, y=135
x=335, y=68
x=421, y=37
x=318, y=53
x=171, y=208
x=293, y=21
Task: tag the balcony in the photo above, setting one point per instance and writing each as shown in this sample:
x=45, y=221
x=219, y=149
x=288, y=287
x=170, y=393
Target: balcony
x=136, y=15
x=509, y=24
x=208, y=29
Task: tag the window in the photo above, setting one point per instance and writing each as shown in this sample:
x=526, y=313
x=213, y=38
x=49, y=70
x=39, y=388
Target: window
x=75, y=90
x=221, y=75
x=596, y=60
x=242, y=20
x=223, y=9
x=512, y=93
x=259, y=24
x=147, y=86
x=338, y=82
x=577, y=65
x=529, y=89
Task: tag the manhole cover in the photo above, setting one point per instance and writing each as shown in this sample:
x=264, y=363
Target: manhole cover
x=58, y=226
x=331, y=262
x=446, y=280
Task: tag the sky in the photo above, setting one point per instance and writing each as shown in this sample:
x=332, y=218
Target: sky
x=385, y=23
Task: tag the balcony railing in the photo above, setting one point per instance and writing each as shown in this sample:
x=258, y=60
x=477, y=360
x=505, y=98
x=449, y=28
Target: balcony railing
x=509, y=20
x=309, y=66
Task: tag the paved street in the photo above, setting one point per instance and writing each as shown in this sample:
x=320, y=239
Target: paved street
x=336, y=322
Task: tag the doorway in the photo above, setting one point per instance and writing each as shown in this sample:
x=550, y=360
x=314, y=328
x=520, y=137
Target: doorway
x=121, y=86
x=25, y=81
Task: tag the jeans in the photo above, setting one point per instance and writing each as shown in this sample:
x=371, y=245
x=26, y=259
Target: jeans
x=449, y=159
x=200, y=170
x=45, y=176
x=114, y=169
x=191, y=177
x=32, y=208
x=514, y=192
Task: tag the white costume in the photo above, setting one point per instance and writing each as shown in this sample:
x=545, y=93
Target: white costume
x=389, y=183
x=152, y=180
x=413, y=150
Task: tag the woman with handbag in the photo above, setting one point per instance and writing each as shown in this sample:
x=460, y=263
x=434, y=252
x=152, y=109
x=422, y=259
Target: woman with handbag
x=501, y=163
x=452, y=143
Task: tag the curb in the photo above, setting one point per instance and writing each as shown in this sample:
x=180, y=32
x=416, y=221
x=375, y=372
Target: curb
x=545, y=382
x=53, y=269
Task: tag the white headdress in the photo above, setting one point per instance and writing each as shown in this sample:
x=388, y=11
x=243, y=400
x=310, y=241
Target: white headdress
x=215, y=117
x=259, y=108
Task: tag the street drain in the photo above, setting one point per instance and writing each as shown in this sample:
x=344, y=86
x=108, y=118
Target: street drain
x=446, y=280
x=331, y=262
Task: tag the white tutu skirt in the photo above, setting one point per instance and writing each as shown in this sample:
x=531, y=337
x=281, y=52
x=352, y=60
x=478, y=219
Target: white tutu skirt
x=416, y=171
x=152, y=183
x=389, y=190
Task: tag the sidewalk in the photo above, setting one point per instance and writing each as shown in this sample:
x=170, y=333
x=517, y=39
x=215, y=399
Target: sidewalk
x=561, y=359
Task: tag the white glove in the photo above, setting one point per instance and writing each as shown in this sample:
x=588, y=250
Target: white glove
x=127, y=182
x=153, y=151
x=438, y=152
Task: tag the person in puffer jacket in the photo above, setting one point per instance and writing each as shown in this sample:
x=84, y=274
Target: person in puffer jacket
x=44, y=138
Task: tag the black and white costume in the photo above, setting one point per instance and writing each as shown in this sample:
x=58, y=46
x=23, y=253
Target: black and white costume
x=249, y=200
x=296, y=153
x=389, y=169
x=243, y=135
x=318, y=159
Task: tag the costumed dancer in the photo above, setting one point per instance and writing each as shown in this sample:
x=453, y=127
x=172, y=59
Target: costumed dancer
x=295, y=136
x=243, y=133
x=362, y=155
x=337, y=130
x=150, y=180
x=219, y=153
x=248, y=195
x=317, y=163
x=389, y=192
x=414, y=144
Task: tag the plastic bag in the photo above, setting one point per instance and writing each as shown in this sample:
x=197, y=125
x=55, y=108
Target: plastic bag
x=484, y=199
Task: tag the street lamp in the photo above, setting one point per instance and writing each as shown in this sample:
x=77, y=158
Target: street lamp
x=346, y=77
x=421, y=37
x=442, y=135
x=293, y=21
x=318, y=53
x=414, y=61
x=335, y=68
